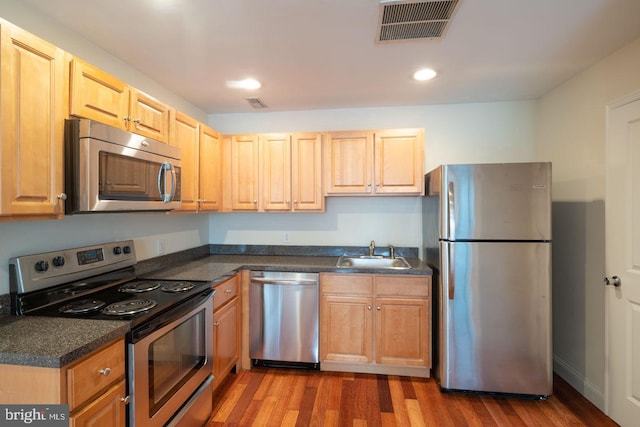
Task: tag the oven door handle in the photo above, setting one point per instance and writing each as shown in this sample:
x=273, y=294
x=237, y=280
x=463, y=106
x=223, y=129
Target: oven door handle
x=169, y=316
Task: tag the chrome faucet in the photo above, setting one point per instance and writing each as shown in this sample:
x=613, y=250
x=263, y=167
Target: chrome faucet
x=372, y=247
x=392, y=253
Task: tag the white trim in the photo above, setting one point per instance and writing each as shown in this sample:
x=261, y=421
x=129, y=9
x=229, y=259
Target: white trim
x=585, y=387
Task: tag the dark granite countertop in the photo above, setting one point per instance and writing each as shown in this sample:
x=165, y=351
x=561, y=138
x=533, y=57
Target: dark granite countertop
x=217, y=267
x=53, y=342
x=56, y=342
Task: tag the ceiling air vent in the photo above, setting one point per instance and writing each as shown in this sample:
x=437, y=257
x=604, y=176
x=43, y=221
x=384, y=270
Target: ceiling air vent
x=414, y=19
x=256, y=103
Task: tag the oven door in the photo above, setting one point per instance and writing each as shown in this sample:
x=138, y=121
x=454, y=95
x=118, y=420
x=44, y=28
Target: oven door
x=170, y=358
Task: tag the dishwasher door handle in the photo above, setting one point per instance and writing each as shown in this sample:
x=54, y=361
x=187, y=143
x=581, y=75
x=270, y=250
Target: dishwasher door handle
x=283, y=281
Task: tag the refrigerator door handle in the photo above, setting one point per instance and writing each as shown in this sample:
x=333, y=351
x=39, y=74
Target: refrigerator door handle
x=451, y=222
x=448, y=273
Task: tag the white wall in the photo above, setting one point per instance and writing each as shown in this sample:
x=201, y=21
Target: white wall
x=21, y=238
x=458, y=133
x=28, y=237
x=24, y=16
x=571, y=133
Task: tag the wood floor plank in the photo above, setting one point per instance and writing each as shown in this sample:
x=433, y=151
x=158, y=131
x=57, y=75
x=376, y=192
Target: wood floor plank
x=280, y=397
x=397, y=397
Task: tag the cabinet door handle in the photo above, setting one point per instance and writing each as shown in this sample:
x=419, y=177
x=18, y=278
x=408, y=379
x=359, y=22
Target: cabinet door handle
x=62, y=196
x=125, y=400
x=369, y=308
x=104, y=372
x=136, y=121
x=227, y=291
x=216, y=324
x=378, y=308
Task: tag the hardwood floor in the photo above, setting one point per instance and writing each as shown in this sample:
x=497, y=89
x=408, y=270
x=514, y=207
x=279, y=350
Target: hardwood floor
x=282, y=397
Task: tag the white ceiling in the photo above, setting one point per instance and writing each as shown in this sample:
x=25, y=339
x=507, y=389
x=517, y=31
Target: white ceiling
x=317, y=54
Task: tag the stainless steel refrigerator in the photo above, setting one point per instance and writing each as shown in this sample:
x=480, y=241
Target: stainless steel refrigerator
x=487, y=235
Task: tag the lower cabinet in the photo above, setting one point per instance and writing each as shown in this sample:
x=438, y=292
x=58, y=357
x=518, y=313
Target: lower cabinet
x=93, y=387
x=375, y=323
x=226, y=328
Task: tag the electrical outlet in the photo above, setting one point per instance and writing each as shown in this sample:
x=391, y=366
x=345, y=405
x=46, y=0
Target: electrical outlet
x=162, y=246
x=285, y=237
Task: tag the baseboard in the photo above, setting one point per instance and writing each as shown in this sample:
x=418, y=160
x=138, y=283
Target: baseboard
x=592, y=393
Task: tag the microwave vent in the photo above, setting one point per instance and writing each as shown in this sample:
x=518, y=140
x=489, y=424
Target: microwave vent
x=413, y=20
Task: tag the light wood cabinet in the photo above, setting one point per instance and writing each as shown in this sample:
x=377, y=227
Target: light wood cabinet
x=241, y=193
x=375, y=323
x=210, y=177
x=99, y=96
x=93, y=387
x=201, y=174
x=226, y=332
x=185, y=134
x=276, y=172
x=307, y=172
x=382, y=162
x=32, y=110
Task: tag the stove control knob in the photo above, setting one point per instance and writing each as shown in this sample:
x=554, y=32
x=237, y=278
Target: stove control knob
x=117, y=250
x=42, y=266
x=127, y=249
x=58, y=261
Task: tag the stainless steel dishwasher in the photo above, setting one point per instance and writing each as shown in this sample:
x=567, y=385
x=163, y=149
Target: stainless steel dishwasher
x=283, y=319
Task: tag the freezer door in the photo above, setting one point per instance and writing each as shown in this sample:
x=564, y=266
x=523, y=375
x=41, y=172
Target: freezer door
x=495, y=317
x=505, y=201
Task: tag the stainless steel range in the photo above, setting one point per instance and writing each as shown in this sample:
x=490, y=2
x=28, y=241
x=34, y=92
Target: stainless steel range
x=170, y=344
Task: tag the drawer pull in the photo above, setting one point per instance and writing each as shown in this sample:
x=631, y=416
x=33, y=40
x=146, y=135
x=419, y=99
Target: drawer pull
x=216, y=324
x=125, y=400
x=227, y=291
x=104, y=372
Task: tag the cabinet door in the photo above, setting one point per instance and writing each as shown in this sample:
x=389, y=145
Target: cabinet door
x=399, y=162
x=107, y=410
x=306, y=172
x=244, y=172
x=185, y=135
x=210, y=170
x=226, y=339
x=349, y=163
x=346, y=328
x=276, y=172
x=148, y=116
x=98, y=96
x=32, y=124
x=402, y=331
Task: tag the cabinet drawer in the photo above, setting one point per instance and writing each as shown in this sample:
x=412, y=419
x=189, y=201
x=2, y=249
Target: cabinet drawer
x=87, y=378
x=403, y=286
x=226, y=291
x=346, y=284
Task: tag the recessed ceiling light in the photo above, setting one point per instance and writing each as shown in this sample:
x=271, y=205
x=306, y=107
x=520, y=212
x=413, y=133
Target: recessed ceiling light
x=424, y=74
x=244, y=84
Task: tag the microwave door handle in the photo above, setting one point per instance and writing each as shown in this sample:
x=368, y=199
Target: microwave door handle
x=173, y=182
x=164, y=166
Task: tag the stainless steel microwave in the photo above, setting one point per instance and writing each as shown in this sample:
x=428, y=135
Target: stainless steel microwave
x=112, y=170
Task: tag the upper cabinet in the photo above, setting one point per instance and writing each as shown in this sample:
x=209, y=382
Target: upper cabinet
x=241, y=191
x=185, y=134
x=275, y=172
x=210, y=176
x=201, y=160
x=306, y=172
x=32, y=112
x=384, y=162
x=99, y=96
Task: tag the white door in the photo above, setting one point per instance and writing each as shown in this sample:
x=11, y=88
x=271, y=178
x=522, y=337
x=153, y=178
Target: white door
x=622, y=375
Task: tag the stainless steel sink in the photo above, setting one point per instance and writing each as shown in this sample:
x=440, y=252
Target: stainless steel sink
x=363, y=261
